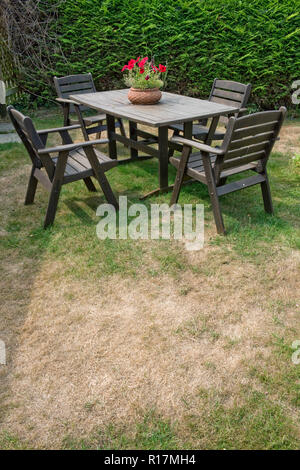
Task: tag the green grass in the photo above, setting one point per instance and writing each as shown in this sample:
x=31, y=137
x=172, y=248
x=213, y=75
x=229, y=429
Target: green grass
x=9, y=442
x=151, y=433
x=256, y=424
x=261, y=417
x=251, y=231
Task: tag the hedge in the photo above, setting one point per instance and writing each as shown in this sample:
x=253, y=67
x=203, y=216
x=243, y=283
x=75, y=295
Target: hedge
x=255, y=41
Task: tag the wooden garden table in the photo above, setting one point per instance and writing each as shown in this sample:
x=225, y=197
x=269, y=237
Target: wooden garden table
x=171, y=109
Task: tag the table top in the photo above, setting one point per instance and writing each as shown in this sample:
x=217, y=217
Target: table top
x=170, y=109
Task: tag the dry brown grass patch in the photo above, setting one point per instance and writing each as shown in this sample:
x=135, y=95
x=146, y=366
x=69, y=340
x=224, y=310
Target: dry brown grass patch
x=86, y=353
x=91, y=354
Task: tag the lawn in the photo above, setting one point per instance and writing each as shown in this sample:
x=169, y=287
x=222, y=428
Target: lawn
x=142, y=344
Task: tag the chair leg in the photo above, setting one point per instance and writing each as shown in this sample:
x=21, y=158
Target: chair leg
x=122, y=128
x=81, y=122
x=213, y=196
x=266, y=194
x=84, y=132
x=100, y=175
x=52, y=204
x=106, y=188
x=180, y=175
x=222, y=181
x=171, y=150
x=56, y=187
x=89, y=184
x=98, y=135
x=31, y=188
x=217, y=211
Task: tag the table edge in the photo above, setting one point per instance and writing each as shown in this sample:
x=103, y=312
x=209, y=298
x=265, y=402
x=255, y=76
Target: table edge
x=155, y=124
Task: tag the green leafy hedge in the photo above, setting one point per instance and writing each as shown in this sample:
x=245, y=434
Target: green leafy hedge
x=253, y=41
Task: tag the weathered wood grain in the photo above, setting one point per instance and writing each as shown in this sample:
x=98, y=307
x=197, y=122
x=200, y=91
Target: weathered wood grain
x=171, y=109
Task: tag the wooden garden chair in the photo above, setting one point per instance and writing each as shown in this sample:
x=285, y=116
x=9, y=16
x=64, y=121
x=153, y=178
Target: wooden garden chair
x=75, y=84
x=56, y=166
x=246, y=146
x=223, y=92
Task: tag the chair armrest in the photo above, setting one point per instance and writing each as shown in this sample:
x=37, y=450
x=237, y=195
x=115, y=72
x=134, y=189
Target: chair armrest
x=203, y=147
x=58, y=129
x=66, y=101
x=242, y=112
x=69, y=147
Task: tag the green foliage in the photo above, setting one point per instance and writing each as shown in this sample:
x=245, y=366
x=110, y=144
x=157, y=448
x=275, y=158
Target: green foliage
x=255, y=42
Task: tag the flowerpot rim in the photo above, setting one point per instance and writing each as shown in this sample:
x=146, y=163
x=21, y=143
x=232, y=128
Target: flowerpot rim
x=144, y=89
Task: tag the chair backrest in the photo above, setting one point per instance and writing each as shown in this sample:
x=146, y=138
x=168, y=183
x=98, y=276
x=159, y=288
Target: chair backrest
x=230, y=93
x=73, y=85
x=250, y=139
x=31, y=140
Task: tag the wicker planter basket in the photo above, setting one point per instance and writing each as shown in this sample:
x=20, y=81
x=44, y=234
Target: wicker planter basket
x=148, y=96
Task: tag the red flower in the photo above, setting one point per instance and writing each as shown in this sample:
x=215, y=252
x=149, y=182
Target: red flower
x=142, y=70
x=124, y=68
x=147, y=77
x=162, y=68
x=142, y=62
x=131, y=63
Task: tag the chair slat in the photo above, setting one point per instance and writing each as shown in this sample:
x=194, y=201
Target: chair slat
x=224, y=101
x=83, y=87
x=78, y=78
x=253, y=139
x=69, y=170
x=252, y=130
x=79, y=156
x=230, y=85
x=198, y=165
x=74, y=161
x=196, y=175
x=77, y=92
x=257, y=118
x=229, y=95
x=246, y=150
x=240, y=169
x=242, y=184
x=243, y=160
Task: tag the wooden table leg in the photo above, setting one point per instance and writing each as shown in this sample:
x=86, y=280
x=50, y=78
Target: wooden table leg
x=112, y=144
x=133, y=135
x=188, y=130
x=212, y=130
x=164, y=159
x=163, y=162
x=134, y=154
x=163, y=149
